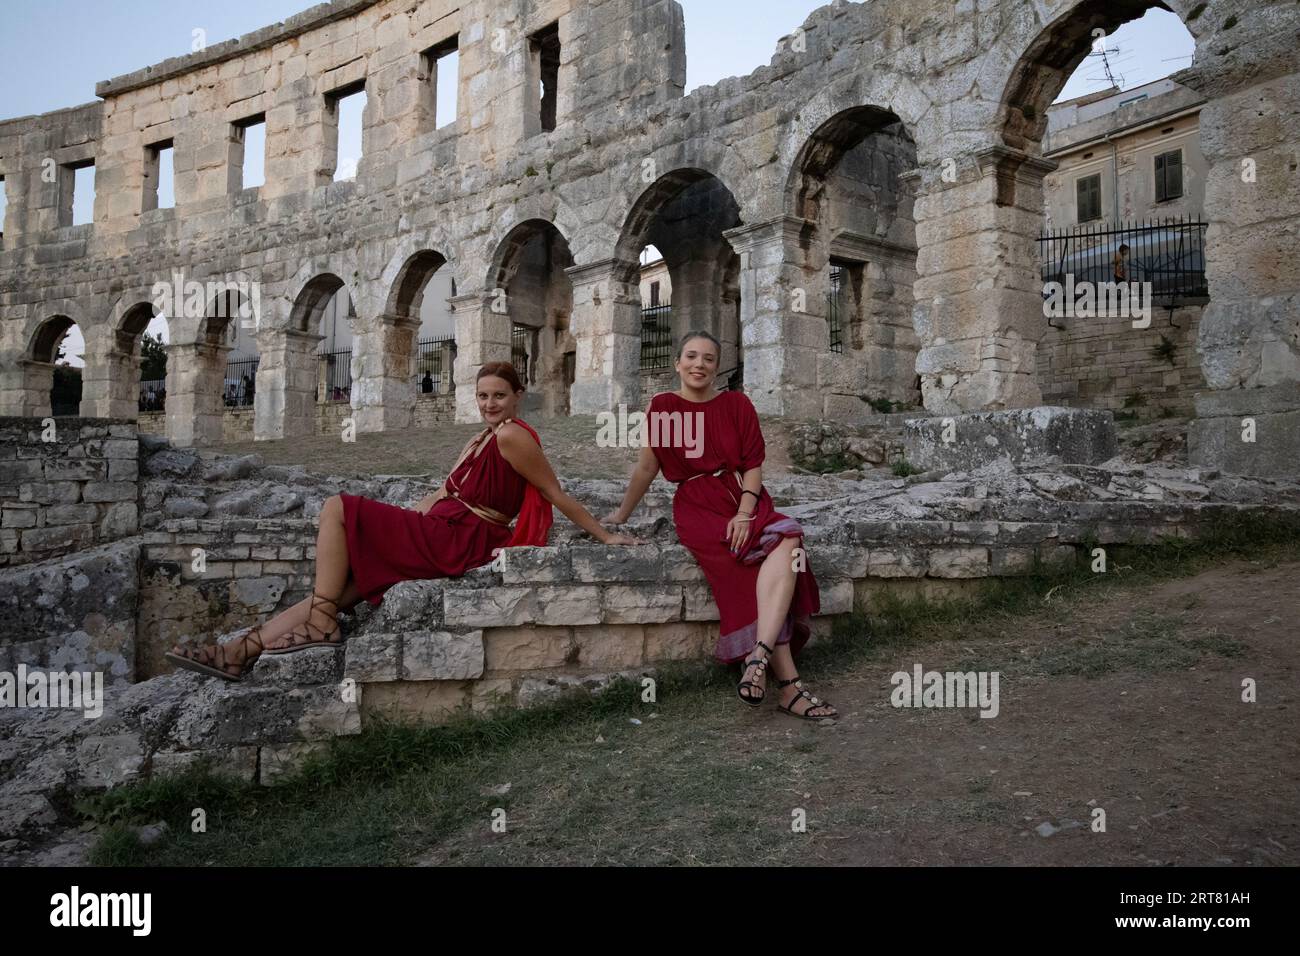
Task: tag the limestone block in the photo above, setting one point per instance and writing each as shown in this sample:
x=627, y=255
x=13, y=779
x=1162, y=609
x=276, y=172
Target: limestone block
x=441, y=656
x=642, y=604
x=959, y=562
x=527, y=648
x=610, y=646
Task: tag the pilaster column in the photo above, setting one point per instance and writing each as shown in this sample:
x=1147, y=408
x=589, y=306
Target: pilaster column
x=195, y=384
x=482, y=336
x=606, y=329
x=384, y=388
x=979, y=303
x=284, y=402
x=782, y=318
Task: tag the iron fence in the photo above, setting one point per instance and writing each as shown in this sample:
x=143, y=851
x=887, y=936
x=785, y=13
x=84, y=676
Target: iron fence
x=434, y=365
x=336, y=376
x=241, y=382
x=835, y=309
x=1169, y=254
x=657, y=337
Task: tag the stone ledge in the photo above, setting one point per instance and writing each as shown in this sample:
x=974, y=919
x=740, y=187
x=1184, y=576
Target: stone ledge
x=1071, y=435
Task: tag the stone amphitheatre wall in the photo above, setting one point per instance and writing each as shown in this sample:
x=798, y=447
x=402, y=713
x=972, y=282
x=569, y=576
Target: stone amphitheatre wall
x=754, y=184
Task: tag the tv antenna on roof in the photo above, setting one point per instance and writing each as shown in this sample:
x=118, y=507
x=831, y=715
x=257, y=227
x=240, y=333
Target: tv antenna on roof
x=1099, y=50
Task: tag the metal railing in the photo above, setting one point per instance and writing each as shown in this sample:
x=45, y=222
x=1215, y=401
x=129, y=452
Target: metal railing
x=657, y=337
x=434, y=365
x=158, y=403
x=241, y=382
x=522, y=342
x=1168, y=254
x=835, y=309
x=335, y=381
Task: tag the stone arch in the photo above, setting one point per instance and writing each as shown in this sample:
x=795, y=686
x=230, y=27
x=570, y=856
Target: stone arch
x=685, y=214
x=131, y=315
x=408, y=282
x=639, y=222
x=857, y=250
x=49, y=390
x=827, y=146
x=310, y=301
x=1044, y=64
x=44, y=340
x=393, y=353
x=1050, y=57
x=530, y=266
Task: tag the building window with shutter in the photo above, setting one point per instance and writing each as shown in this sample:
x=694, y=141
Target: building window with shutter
x=1169, y=175
x=654, y=295
x=1088, y=197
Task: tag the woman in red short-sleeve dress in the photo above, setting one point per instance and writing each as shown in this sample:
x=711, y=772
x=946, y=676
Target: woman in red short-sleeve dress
x=751, y=555
x=364, y=547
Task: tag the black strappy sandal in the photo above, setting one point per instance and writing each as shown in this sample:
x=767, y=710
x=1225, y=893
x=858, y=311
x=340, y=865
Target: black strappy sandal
x=761, y=663
x=192, y=660
x=813, y=703
x=314, y=636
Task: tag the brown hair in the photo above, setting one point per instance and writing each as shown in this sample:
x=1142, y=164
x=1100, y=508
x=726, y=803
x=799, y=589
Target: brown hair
x=698, y=334
x=501, y=370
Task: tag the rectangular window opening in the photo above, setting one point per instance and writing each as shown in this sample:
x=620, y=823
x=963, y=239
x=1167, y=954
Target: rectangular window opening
x=345, y=110
x=249, y=152
x=1088, y=197
x=4, y=207
x=1169, y=175
x=77, y=194
x=842, y=313
x=160, y=176
x=654, y=295
x=442, y=68
x=544, y=47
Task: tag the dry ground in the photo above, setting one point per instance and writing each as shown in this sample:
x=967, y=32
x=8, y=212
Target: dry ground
x=1131, y=704
x=570, y=444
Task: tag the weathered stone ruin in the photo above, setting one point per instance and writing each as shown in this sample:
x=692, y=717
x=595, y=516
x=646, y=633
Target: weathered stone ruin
x=899, y=140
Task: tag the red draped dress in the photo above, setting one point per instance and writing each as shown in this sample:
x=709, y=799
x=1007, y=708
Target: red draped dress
x=387, y=544
x=708, y=492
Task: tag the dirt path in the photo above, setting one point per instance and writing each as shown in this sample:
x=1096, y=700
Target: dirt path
x=1128, y=701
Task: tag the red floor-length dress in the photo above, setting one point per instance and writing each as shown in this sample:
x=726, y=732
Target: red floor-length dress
x=387, y=544
x=705, y=501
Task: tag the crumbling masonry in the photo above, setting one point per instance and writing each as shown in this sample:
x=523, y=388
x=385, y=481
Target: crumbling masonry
x=902, y=138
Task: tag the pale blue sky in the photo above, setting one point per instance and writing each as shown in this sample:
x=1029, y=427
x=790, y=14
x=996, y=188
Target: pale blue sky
x=52, y=52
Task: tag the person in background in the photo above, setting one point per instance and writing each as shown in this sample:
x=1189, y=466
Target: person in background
x=426, y=386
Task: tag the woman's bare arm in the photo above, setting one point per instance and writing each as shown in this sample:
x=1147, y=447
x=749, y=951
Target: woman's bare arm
x=645, y=472
x=526, y=457
x=739, y=527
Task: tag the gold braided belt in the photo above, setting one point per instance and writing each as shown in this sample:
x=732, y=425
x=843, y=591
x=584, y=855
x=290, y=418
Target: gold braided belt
x=489, y=515
x=710, y=474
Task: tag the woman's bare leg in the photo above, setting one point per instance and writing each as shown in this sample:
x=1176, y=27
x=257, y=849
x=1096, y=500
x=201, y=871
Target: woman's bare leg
x=775, y=590
x=333, y=577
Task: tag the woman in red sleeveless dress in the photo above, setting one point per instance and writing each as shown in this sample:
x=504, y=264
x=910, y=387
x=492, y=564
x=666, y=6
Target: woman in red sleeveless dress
x=364, y=547
x=751, y=555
